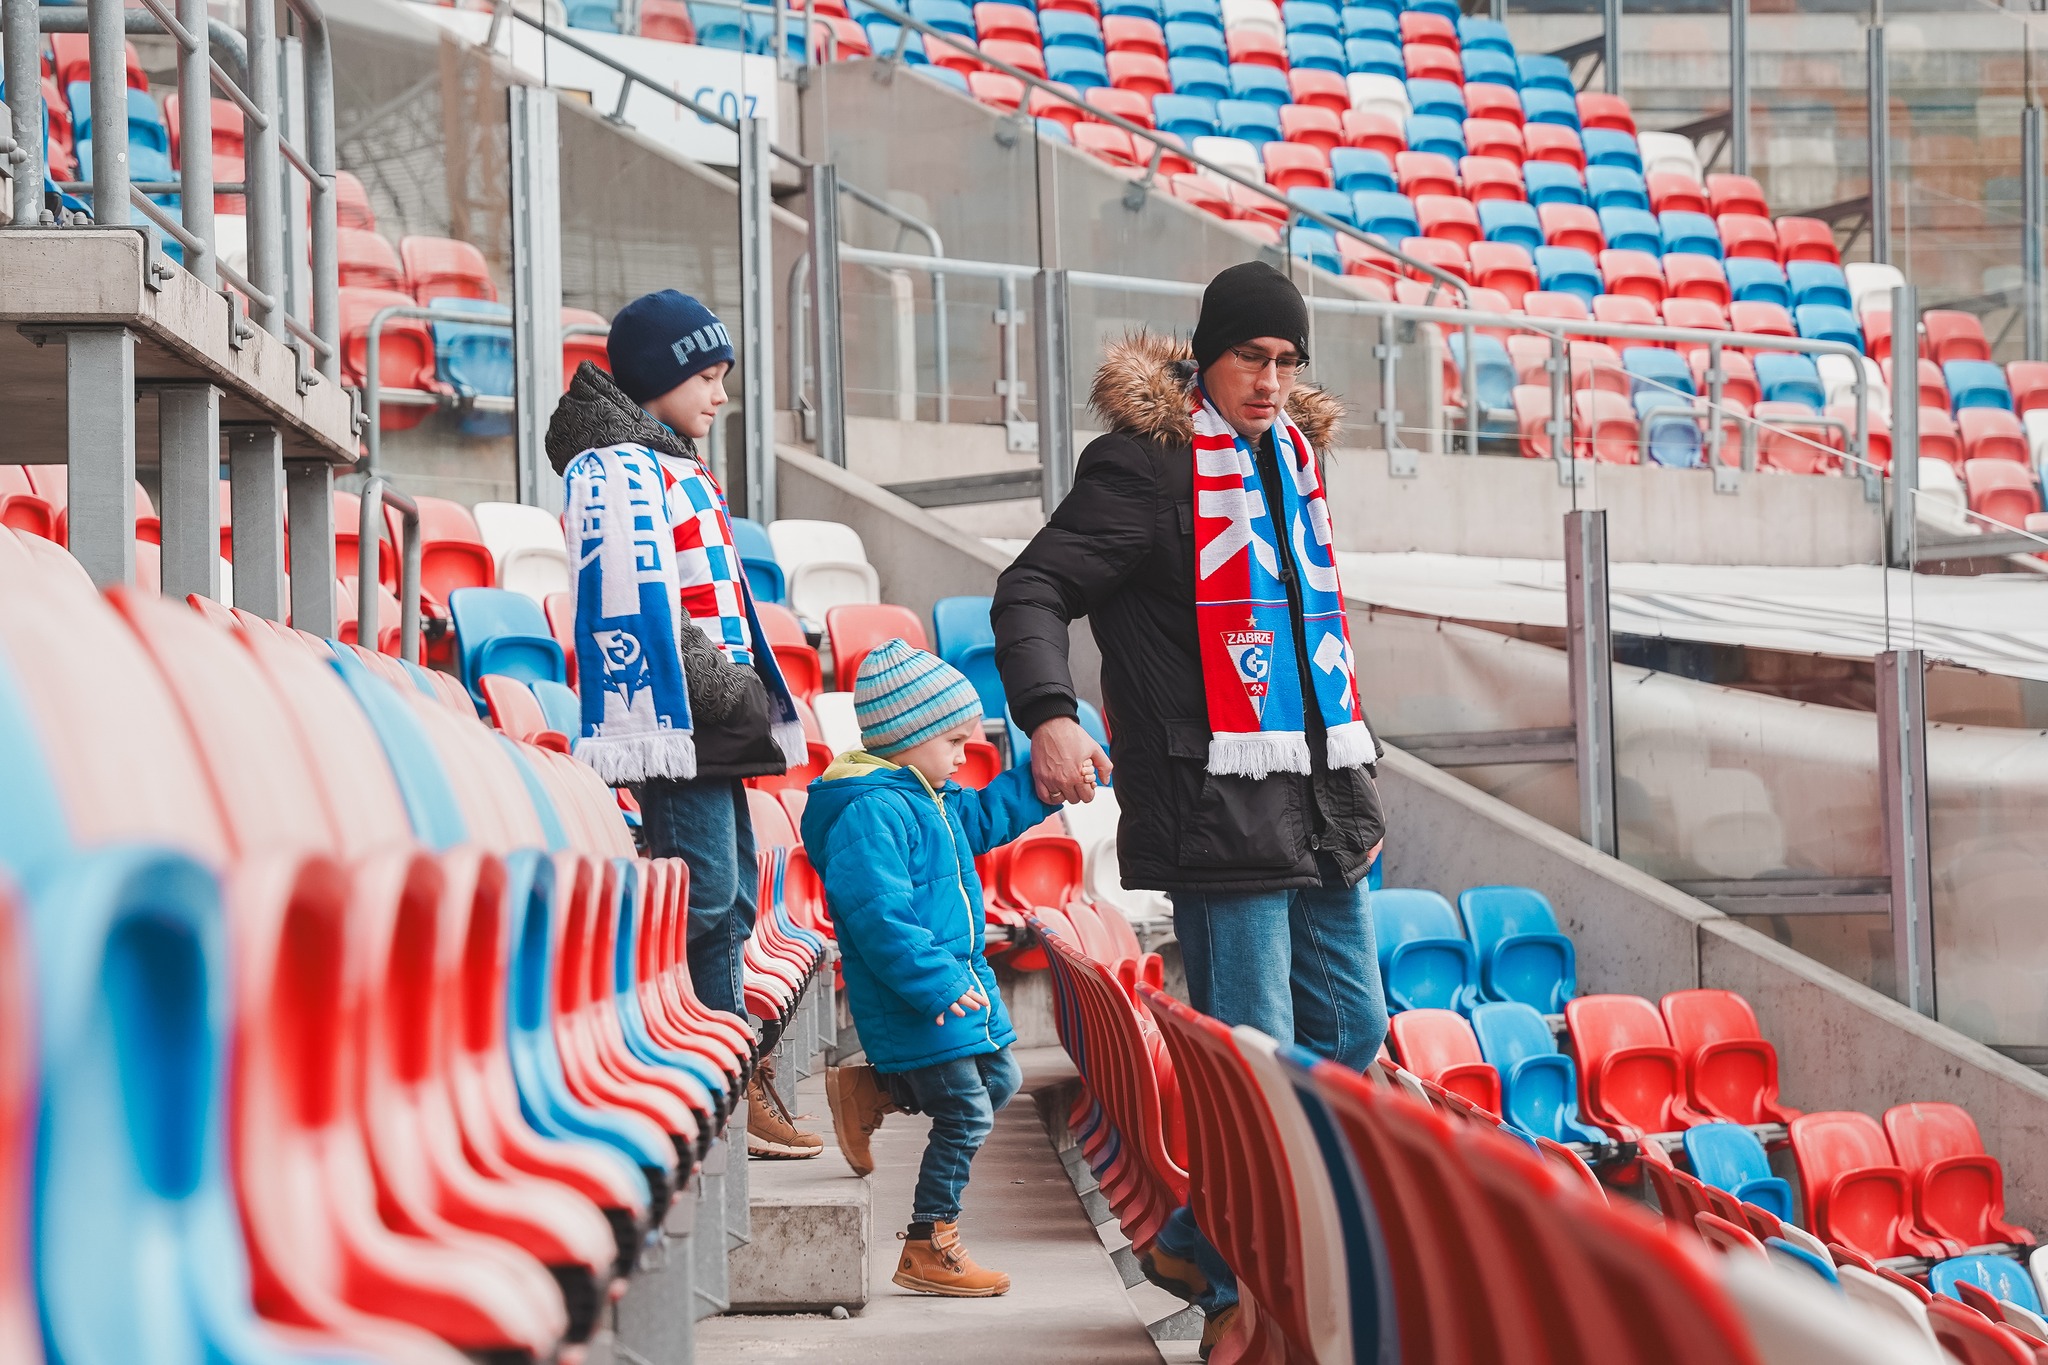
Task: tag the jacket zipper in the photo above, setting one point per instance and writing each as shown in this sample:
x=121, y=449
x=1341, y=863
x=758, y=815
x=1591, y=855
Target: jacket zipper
x=1284, y=535
x=966, y=903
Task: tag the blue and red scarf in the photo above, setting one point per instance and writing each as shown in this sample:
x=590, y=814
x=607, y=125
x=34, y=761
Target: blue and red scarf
x=1257, y=715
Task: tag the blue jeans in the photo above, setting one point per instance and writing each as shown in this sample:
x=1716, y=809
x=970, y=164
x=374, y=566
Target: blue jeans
x=1299, y=966
x=961, y=1097
x=708, y=826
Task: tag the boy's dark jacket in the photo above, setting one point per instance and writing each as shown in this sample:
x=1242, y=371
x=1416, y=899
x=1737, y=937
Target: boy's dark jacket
x=897, y=861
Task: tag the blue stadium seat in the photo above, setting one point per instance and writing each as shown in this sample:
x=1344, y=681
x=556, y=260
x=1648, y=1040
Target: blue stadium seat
x=1522, y=956
x=1611, y=147
x=1377, y=24
x=1311, y=16
x=1546, y=72
x=1261, y=83
x=503, y=632
x=1972, y=384
x=1194, y=40
x=1252, y=120
x=1688, y=233
x=1360, y=168
x=1729, y=1157
x=1827, y=322
x=882, y=38
x=599, y=16
x=1568, y=270
x=757, y=557
x=1484, y=66
x=1669, y=428
x=1653, y=369
x=1065, y=28
x=1543, y=104
x=1077, y=66
x=1551, y=182
x=966, y=640
x=1753, y=281
x=1437, y=99
x=1209, y=12
x=145, y=121
x=1053, y=130
x=945, y=75
x=1193, y=76
x=2001, y=1277
x=1448, y=9
x=1137, y=9
x=1384, y=214
x=947, y=16
x=1374, y=57
x=1485, y=35
x=720, y=27
x=1504, y=220
x=1539, y=1086
x=1335, y=203
x=1629, y=229
x=1187, y=117
x=476, y=360
x=1316, y=51
x=1617, y=187
x=1425, y=960
x=1429, y=133
x=1493, y=374
x=1783, y=377
x=1818, y=282
x=559, y=703
x=1317, y=246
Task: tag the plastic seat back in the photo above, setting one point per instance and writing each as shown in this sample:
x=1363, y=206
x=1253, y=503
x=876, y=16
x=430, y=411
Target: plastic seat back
x=855, y=629
x=1732, y=1069
x=1853, y=1190
x=1958, y=1189
x=527, y=544
x=757, y=556
x=1425, y=960
x=1522, y=956
x=1539, y=1084
x=2003, y=1278
x=1630, y=1075
x=1439, y=1046
x=1729, y=1157
x=498, y=631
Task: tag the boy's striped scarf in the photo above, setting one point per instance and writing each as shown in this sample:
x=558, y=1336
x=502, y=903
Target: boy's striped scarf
x=1248, y=637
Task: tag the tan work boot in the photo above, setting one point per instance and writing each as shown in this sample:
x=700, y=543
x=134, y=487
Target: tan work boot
x=942, y=1266
x=1216, y=1328
x=858, y=1105
x=771, y=1132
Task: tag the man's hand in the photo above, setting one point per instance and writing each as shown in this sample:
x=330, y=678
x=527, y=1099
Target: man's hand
x=972, y=999
x=1066, y=763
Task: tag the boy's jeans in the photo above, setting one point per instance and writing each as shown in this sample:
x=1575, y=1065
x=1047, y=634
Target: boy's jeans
x=961, y=1097
x=1299, y=966
x=708, y=826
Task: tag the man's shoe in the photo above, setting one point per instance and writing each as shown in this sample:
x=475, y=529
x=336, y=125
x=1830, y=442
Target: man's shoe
x=858, y=1105
x=770, y=1130
x=1216, y=1328
x=942, y=1266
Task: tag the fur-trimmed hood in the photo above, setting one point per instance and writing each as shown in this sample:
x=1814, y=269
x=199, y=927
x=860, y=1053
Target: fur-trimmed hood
x=1142, y=388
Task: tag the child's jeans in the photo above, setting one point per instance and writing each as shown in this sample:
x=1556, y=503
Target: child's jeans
x=961, y=1097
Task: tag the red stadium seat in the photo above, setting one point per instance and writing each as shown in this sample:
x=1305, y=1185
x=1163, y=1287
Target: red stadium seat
x=1690, y=276
x=1505, y=266
x=1791, y=440
x=952, y=58
x=1045, y=104
x=1025, y=56
x=857, y=628
x=1760, y=318
x=70, y=60
x=1128, y=105
x=1431, y=62
x=1598, y=110
x=1675, y=191
x=1495, y=138
x=1365, y=262
x=1597, y=365
x=22, y=508
x=1631, y=1080
x=1571, y=225
x=583, y=346
x=229, y=137
x=1551, y=303
x=1807, y=239
x=1603, y=428
x=1878, y=439
x=1311, y=124
x=1440, y=1047
x=1969, y=1337
x=1627, y=310
x=1319, y=89
x=2029, y=382
x=1260, y=208
x=1736, y=194
x=993, y=19
x=442, y=268
x=1745, y=235
x=667, y=20
x=1531, y=403
x=1954, y=336
x=1485, y=100
x=1958, y=1191
x=1105, y=142
x=1421, y=26
x=1877, y=334
x=1087, y=7
x=1854, y=1190
x=1933, y=387
x=1445, y=253
x=1374, y=132
x=560, y=609
x=839, y=37
x=1731, y=1069
x=1993, y=434
x=405, y=355
x=452, y=551
x=366, y=261
x=1255, y=47
x=1139, y=71
x=2001, y=489
x=1491, y=177
x=1420, y=173
x=1738, y=376
x=1133, y=33
x=352, y=202
x=1296, y=165
x=995, y=89
x=794, y=653
x=1634, y=273
x=1552, y=142
x=1203, y=193
x=1939, y=438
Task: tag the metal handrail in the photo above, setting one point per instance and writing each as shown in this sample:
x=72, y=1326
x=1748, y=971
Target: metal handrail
x=370, y=531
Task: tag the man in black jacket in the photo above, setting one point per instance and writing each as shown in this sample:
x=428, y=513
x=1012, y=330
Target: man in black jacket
x=1265, y=871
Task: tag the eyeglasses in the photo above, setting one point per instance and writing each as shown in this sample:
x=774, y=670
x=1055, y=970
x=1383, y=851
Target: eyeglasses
x=1286, y=366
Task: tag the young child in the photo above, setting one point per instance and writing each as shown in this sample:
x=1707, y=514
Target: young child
x=895, y=838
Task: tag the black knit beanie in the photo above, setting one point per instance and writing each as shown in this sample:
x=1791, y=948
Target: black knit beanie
x=1245, y=302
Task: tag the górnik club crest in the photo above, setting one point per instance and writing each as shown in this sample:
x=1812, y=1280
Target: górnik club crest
x=1251, y=653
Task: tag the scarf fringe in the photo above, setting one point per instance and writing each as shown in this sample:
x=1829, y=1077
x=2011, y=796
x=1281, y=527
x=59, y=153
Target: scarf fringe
x=789, y=737
x=1259, y=754
x=1351, y=745
x=623, y=759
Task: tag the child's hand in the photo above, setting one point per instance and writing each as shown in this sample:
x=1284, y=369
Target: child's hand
x=972, y=999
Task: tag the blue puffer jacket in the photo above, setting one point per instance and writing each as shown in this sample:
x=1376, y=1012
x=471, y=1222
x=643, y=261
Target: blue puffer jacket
x=897, y=860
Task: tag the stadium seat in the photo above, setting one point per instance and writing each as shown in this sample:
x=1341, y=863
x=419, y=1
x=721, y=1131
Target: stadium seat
x=1510, y=222
x=1421, y=173
x=1632, y=1081
x=887, y=39
x=1819, y=282
x=1729, y=1157
x=1807, y=239
x=1445, y=254
x=1380, y=93
x=405, y=351
x=1569, y=270
x=1503, y=266
x=1992, y=434
x=1542, y=71
x=1631, y=230
x=1854, y=1190
x=1637, y=274
x=825, y=565
x=793, y=651
x=1569, y=225
x=1432, y=133
x=1486, y=177
x=1375, y=56
x=1738, y=375
x=1539, y=1085
x=2003, y=1280
x=1551, y=182
x=1433, y=98
x=2002, y=491
x=1439, y=1046
x=1187, y=117
x=1668, y=428
x=1193, y=40
x=1494, y=138
x=1695, y=276
x=1499, y=103
x=1294, y=165
x=1252, y=121
x=1617, y=187
x=1606, y=147
x=1317, y=246
x=1333, y=203
x=1736, y=194
x=1522, y=956
x=503, y=632
x=1627, y=310
x=1494, y=376
x=995, y=89
x=1425, y=960
x=1486, y=35
x=1672, y=192
x=1484, y=66
x=757, y=556
x=1694, y=234
x=1547, y=106
x=1085, y=70
x=1140, y=72
x=475, y=359
x=1656, y=370
x=1198, y=77
x=1784, y=377
x=1603, y=424
x=1355, y=169
x=1390, y=216
x=1316, y=51
x=439, y=267
x=452, y=551
x=526, y=542
x=1105, y=143
x=964, y=638
x=1134, y=33
x=366, y=261
x=1023, y=56
x=1825, y=322
x=1757, y=281
x=1255, y=47
x=1549, y=142
x=1316, y=88
x=1731, y=1069
x=1045, y=107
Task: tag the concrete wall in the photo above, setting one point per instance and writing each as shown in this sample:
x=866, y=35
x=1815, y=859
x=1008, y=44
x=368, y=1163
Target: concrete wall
x=1840, y=1044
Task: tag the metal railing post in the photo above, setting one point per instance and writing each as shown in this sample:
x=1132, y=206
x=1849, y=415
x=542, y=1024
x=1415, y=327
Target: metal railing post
x=370, y=531
x=195, y=139
x=828, y=364
x=99, y=365
x=106, y=41
x=309, y=517
x=2031, y=207
x=757, y=310
x=262, y=188
x=1902, y=774
x=1905, y=423
x=1879, y=83
x=1717, y=435
x=536, y=287
x=188, y=498
x=1591, y=647
x=1055, y=402
x=1388, y=353
x=1610, y=45
x=318, y=63
x=1738, y=86
x=25, y=104
x=1559, y=368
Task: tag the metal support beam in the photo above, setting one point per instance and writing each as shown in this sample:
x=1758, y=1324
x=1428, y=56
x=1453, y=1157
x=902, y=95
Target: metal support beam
x=1590, y=642
x=256, y=502
x=2031, y=209
x=309, y=513
x=757, y=317
x=106, y=42
x=24, y=74
x=99, y=366
x=1905, y=478
x=1610, y=45
x=1738, y=86
x=1055, y=388
x=262, y=175
x=1879, y=83
x=188, y=501
x=828, y=363
x=1902, y=781
x=536, y=286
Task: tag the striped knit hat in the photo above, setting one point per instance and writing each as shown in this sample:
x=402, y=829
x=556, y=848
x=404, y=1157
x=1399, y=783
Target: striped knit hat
x=905, y=696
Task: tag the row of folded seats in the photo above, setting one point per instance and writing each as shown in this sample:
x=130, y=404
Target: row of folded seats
x=1390, y=1214
x=314, y=982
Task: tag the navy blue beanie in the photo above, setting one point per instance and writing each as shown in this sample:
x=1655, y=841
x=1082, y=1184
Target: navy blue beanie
x=659, y=340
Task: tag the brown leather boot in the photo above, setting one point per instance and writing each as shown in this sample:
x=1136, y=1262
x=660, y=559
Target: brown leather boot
x=858, y=1105
x=1216, y=1328
x=942, y=1266
x=771, y=1132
